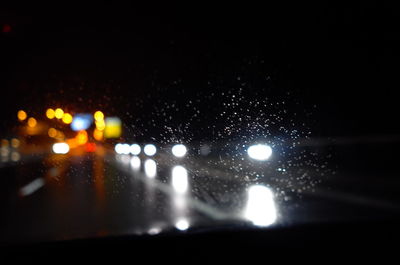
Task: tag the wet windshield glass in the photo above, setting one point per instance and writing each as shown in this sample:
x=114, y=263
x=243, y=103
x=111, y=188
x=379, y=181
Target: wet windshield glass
x=133, y=122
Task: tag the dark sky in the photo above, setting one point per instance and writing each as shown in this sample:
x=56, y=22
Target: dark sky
x=338, y=62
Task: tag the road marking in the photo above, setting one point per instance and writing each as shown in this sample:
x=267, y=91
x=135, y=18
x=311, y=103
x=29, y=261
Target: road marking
x=32, y=187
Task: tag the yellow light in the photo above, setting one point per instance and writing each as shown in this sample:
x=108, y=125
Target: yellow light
x=15, y=142
x=50, y=113
x=58, y=113
x=98, y=135
x=113, y=128
x=22, y=115
x=52, y=132
x=32, y=122
x=82, y=137
x=98, y=115
x=100, y=125
x=67, y=118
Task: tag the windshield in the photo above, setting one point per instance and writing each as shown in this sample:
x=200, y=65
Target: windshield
x=135, y=121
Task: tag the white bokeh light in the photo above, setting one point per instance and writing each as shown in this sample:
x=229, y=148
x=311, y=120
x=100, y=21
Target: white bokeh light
x=150, y=168
x=60, y=148
x=135, y=162
x=180, y=179
x=150, y=149
x=122, y=149
x=135, y=149
x=260, y=208
x=182, y=224
x=260, y=152
x=179, y=150
x=154, y=231
x=118, y=148
x=126, y=149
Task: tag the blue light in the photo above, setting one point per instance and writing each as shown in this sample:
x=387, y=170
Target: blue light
x=81, y=122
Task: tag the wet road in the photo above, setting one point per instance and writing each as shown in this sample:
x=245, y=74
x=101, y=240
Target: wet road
x=57, y=197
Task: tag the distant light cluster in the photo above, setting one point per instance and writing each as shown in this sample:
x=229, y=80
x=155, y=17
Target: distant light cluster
x=261, y=152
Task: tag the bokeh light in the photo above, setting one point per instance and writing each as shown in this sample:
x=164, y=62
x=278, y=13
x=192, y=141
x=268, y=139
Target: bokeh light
x=180, y=179
x=22, y=115
x=60, y=148
x=4, y=143
x=52, y=132
x=98, y=115
x=82, y=137
x=260, y=208
x=50, y=113
x=67, y=118
x=98, y=135
x=32, y=122
x=135, y=162
x=150, y=168
x=260, y=152
x=100, y=125
x=113, y=127
x=179, y=150
x=135, y=149
x=150, y=149
x=182, y=224
x=15, y=142
x=58, y=113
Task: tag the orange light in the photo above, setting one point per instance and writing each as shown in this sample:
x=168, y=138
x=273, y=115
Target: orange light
x=98, y=135
x=58, y=113
x=98, y=115
x=52, y=132
x=4, y=143
x=60, y=135
x=82, y=137
x=32, y=122
x=67, y=118
x=72, y=143
x=50, y=113
x=22, y=115
x=90, y=147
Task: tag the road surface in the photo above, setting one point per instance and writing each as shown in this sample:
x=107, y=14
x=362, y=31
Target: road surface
x=51, y=197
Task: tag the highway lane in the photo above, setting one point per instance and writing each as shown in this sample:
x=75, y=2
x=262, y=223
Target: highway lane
x=57, y=197
x=85, y=196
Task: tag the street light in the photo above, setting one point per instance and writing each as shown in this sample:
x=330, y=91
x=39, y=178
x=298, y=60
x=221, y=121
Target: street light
x=32, y=122
x=22, y=115
x=67, y=118
x=50, y=113
x=58, y=113
x=98, y=115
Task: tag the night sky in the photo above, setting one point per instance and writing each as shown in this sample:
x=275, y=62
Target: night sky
x=334, y=66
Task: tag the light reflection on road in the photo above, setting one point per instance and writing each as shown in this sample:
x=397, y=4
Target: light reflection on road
x=180, y=184
x=260, y=208
x=180, y=179
x=150, y=168
x=135, y=163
